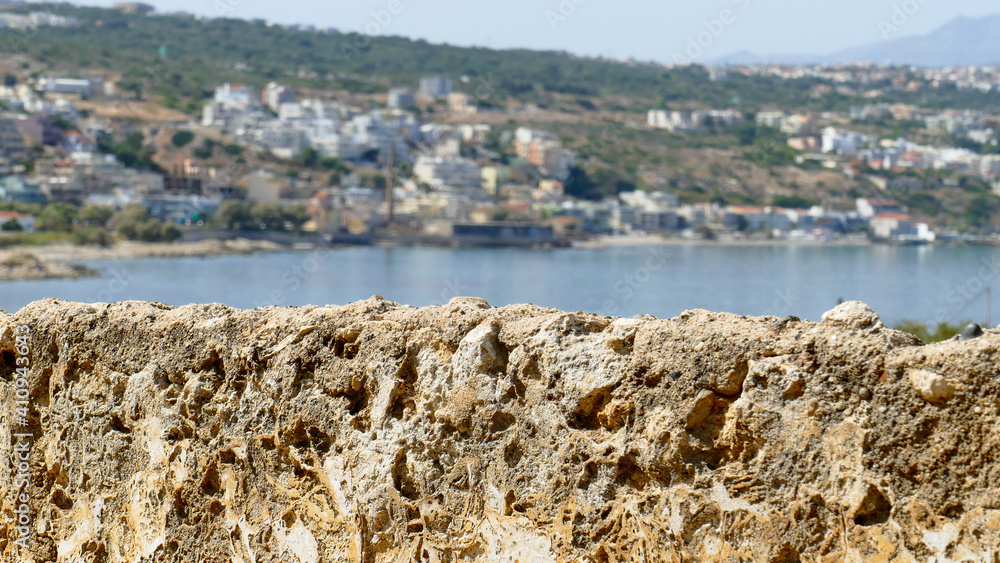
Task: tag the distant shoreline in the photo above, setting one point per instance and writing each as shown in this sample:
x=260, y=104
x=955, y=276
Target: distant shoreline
x=129, y=249
x=54, y=261
x=634, y=241
x=49, y=261
x=626, y=241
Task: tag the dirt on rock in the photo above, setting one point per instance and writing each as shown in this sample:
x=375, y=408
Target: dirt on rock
x=376, y=432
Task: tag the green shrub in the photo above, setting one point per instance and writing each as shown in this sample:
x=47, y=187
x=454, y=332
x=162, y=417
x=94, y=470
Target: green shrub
x=792, y=202
x=182, y=138
x=96, y=215
x=57, y=217
x=943, y=331
x=170, y=232
x=92, y=235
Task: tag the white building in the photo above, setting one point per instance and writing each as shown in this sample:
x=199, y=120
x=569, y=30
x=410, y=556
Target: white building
x=35, y=20
x=282, y=141
x=848, y=142
x=770, y=118
x=989, y=166
x=275, y=95
x=796, y=125
x=671, y=120
x=11, y=140
x=763, y=218
x=76, y=86
x=448, y=172
x=681, y=121
x=872, y=206
x=208, y=115
x=474, y=133
x=401, y=98
x=436, y=86
x=649, y=201
x=525, y=135
x=889, y=225
x=27, y=222
x=336, y=146
x=235, y=96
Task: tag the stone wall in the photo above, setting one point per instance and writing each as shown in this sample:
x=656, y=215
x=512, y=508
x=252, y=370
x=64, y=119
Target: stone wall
x=377, y=432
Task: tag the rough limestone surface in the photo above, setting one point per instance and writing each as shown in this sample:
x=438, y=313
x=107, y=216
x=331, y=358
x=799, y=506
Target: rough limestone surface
x=376, y=432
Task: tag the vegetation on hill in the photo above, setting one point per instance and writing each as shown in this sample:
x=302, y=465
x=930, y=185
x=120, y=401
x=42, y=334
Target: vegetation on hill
x=200, y=53
x=596, y=107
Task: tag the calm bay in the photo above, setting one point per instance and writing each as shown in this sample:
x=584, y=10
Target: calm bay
x=926, y=284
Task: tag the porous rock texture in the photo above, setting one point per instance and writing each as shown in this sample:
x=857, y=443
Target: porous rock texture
x=376, y=432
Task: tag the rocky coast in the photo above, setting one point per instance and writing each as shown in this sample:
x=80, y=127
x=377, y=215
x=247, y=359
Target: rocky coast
x=376, y=432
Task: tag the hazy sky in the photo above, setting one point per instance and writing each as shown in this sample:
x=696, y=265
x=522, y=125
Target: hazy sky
x=660, y=30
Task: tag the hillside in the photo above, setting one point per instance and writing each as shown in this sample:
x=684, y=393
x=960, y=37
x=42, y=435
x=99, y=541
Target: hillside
x=597, y=108
x=201, y=53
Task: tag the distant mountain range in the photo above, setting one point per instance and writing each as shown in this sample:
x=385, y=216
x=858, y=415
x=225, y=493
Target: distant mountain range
x=960, y=42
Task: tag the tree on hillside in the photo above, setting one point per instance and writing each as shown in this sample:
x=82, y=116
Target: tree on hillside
x=308, y=158
x=746, y=132
x=792, y=202
x=182, y=138
x=128, y=220
x=579, y=185
x=134, y=223
x=233, y=215
x=132, y=153
x=274, y=216
x=57, y=217
x=96, y=215
x=981, y=209
x=132, y=212
x=267, y=214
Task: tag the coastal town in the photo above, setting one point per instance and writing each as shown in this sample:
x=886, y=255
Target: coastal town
x=482, y=282
x=443, y=161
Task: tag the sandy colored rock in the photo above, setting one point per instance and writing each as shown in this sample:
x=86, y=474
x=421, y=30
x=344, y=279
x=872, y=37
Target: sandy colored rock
x=931, y=386
x=853, y=315
x=376, y=432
